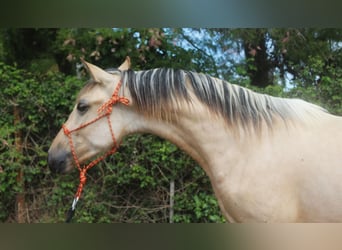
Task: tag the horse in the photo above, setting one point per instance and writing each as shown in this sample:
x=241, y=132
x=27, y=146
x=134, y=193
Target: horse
x=269, y=159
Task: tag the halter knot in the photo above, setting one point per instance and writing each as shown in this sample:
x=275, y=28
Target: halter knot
x=108, y=106
x=65, y=130
x=83, y=180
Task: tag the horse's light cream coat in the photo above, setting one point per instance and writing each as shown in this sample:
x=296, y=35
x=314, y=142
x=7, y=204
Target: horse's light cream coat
x=291, y=172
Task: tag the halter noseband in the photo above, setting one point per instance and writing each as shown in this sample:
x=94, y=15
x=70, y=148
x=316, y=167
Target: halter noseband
x=105, y=110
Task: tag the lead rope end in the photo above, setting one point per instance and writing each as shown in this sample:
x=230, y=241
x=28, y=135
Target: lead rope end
x=71, y=211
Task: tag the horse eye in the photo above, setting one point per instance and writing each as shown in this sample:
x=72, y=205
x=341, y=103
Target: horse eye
x=82, y=107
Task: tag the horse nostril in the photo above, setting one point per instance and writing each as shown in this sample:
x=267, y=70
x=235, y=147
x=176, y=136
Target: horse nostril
x=57, y=161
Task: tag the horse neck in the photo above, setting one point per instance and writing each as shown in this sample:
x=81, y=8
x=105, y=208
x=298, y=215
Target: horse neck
x=201, y=135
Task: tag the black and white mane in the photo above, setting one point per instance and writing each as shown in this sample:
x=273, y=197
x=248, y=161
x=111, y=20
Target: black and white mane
x=157, y=92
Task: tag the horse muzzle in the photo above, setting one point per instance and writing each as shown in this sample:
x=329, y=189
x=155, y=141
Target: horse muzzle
x=58, y=161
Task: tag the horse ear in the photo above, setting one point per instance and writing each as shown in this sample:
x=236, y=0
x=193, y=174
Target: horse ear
x=126, y=65
x=96, y=73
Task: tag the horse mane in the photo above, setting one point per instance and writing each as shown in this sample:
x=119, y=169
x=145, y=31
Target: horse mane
x=159, y=93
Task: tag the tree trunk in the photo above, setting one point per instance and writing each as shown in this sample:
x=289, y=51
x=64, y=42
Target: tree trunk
x=258, y=65
x=20, y=198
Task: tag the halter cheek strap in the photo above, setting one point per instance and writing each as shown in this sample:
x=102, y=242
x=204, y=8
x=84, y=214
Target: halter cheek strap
x=103, y=112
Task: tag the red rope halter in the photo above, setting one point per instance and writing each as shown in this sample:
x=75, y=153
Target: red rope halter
x=105, y=110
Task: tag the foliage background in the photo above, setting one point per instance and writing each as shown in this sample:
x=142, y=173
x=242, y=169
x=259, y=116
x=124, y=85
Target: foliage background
x=40, y=76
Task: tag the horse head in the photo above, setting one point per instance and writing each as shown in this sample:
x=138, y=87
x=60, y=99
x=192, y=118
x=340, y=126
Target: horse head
x=87, y=133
